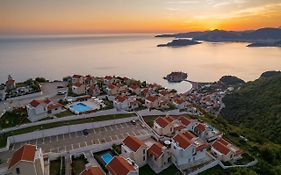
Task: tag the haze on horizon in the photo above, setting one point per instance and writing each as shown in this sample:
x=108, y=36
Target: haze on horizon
x=123, y=16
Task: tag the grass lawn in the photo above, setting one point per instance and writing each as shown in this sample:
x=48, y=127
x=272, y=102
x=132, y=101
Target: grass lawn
x=3, y=138
x=55, y=167
x=64, y=114
x=78, y=165
x=146, y=170
x=14, y=118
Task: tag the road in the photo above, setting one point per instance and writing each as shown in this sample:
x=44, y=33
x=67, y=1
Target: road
x=48, y=90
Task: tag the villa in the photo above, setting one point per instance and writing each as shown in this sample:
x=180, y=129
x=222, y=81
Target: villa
x=206, y=132
x=39, y=109
x=180, y=103
x=189, y=124
x=135, y=89
x=159, y=157
x=121, y=166
x=152, y=102
x=225, y=151
x=187, y=149
x=93, y=170
x=27, y=160
x=165, y=95
x=94, y=90
x=164, y=126
x=77, y=79
x=10, y=83
x=121, y=103
x=2, y=92
x=78, y=88
x=112, y=89
x=135, y=149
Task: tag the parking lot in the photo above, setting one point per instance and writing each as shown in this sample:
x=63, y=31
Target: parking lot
x=70, y=141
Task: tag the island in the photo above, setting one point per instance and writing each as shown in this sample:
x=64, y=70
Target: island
x=179, y=43
x=176, y=77
x=266, y=44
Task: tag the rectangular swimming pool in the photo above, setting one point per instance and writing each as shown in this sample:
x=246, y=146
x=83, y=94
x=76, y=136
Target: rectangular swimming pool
x=107, y=157
x=80, y=107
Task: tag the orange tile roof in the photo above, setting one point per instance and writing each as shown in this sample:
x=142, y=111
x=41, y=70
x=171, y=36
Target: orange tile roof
x=119, y=166
x=77, y=76
x=120, y=98
x=152, y=98
x=10, y=82
x=185, y=121
x=77, y=84
x=189, y=135
x=133, y=143
x=164, y=121
x=201, y=127
x=221, y=147
x=182, y=141
x=93, y=171
x=26, y=153
x=156, y=150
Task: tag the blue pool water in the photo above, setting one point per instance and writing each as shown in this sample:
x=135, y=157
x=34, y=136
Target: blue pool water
x=107, y=157
x=80, y=107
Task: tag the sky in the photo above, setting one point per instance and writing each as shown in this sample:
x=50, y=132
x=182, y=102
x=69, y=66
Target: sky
x=136, y=16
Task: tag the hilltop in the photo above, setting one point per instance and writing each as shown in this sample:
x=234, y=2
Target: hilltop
x=257, y=105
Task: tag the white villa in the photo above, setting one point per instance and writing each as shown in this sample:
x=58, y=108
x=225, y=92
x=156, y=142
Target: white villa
x=187, y=149
x=164, y=126
x=78, y=88
x=135, y=149
x=27, y=160
x=39, y=109
x=121, y=103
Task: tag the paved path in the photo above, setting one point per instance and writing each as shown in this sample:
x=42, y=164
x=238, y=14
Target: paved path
x=67, y=165
x=147, y=112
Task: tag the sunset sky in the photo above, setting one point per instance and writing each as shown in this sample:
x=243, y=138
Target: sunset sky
x=121, y=16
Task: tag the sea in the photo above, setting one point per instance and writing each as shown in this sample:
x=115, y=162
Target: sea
x=132, y=55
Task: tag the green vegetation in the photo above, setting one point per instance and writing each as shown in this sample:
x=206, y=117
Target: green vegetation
x=217, y=170
x=3, y=137
x=13, y=118
x=269, y=74
x=146, y=170
x=64, y=114
x=231, y=81
x=78, y=164
x=41, y=80
x=116, y=148
x=258, y=101
x=57, y=167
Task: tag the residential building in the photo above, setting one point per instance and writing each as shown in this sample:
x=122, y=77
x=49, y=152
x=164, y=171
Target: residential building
x=180, y=103
x=135, y=89
x=108, y=80
x=2, y=92
x=165, y=95
x=225, y=151
x=135, y=149
x=39, y=109
x=27, y=160
x=93, y=170
x=10, y=83
x=152, y=102
x=159, y=157
x=187, y=149
x=77, y=79
x=79, y=88
x=206, y=132
x=94, y=90
x=164, y=126
x=112, y=89
x=121, y=103
x=189, y=124
x=121, y=166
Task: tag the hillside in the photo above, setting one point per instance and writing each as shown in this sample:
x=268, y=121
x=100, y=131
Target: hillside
x=257, y=105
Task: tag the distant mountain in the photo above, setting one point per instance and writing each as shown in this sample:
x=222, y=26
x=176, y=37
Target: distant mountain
x=179, y=43
x=263, y=34
x=257, y=105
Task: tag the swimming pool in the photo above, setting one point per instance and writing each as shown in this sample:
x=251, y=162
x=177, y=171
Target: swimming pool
x=107, y=157
x=80, y=107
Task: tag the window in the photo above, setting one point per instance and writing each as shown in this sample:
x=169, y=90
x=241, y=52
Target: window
x=143, y=151
x=17, y=170
x=143, y=158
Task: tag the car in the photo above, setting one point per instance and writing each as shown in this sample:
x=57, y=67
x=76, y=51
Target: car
x=133, y=122
x=60, y=87
x=85, y=132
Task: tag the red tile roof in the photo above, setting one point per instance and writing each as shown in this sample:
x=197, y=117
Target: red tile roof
x=77, y=84
x=35, y=103
x=164, y=92
x=133, y=143
x=200, y=127
x=77, y=76
x=152, y=98
x=108, y=77
x=189, y=135
x=182, y=141
x=164, y=121
x=134, y=86
x=120, y=98
x=10, y=82
x=219, y=146
x=26, y=153
x=92, y=171
x=156, y=150
x=179, y=101
x=119, y=166
x=185, y=121
x=111, y=86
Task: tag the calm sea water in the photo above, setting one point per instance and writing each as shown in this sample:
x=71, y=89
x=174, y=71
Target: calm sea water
x=134, y=56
